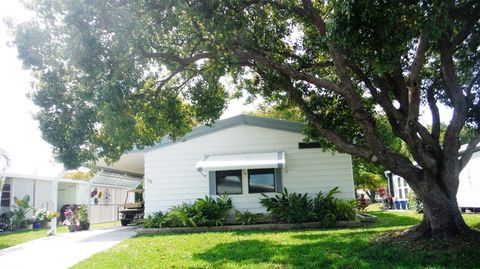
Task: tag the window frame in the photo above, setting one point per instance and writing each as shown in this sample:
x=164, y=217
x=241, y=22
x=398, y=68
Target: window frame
x=238, y=172
x=7, y=188
x=257, y=172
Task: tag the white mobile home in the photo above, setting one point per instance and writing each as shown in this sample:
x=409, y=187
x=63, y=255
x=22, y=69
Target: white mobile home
x=242, y=157
x=468, y=195
x=104, y=193
x=39, y=189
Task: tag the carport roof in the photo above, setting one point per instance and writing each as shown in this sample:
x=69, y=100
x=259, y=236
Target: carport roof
x=117, y=179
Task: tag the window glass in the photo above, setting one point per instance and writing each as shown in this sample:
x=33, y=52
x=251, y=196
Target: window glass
x=261, y=180
x=229, y=182
x=5, y=196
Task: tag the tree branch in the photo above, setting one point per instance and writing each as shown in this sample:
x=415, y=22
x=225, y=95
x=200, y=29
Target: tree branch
x=419, y=59
x=467, y=154
x=286, y=70
x=432, y=103
x=467, y=27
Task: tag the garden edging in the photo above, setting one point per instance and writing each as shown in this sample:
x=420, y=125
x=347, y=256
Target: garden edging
x=258, y=227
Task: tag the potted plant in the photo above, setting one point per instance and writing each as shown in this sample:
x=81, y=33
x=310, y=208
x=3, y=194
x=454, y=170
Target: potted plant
x=29, y=224
x=39, y=218
x=83, y=217
x=50, y=216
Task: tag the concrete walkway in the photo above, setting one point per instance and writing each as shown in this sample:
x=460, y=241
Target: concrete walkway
x=62, y=250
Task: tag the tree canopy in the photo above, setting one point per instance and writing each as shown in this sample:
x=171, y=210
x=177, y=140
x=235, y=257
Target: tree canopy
x=113, y=75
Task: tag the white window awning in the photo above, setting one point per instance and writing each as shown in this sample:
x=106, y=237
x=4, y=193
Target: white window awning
x=242, y=161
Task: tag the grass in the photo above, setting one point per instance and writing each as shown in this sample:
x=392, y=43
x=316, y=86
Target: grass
x=21, y=236
x=330, y=248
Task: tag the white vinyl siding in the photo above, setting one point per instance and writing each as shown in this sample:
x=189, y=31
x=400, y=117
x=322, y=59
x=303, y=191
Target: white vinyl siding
x=170, y=176
x=469, y=187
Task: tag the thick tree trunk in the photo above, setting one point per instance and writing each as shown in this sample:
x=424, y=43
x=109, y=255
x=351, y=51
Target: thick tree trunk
x=441, y=218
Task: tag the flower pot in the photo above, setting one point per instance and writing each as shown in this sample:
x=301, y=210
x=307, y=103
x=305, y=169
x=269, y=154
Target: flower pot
x=85, y=226
x=37, y=225
x=29, y=226
x=73, y=228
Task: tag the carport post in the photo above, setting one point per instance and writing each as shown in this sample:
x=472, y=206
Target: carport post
x=53, y=229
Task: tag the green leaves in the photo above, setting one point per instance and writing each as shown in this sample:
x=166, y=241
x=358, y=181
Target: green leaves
x=297, y=207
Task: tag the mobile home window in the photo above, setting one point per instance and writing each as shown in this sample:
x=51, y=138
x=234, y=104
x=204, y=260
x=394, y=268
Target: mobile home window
x=229, y=182
x=6, y=195
x=261, y=180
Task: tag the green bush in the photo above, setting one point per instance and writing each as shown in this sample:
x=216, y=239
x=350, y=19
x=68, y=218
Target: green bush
x=296, y=207
x=180, y=216
x=210, y=211
x=414, y=202
x=324, y=207
x=17, y=217
x=156, y=220
x=247, y=218
x=345, y=210
x=329, y=209
x=289, y=207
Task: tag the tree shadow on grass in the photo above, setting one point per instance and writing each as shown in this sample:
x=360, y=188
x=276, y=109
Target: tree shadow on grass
x=350, y=250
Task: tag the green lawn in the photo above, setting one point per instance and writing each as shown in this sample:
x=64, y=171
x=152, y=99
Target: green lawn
x=21, y=236
x=331, y=248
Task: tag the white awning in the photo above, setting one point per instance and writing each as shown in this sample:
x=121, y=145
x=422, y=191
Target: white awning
x=242, y=161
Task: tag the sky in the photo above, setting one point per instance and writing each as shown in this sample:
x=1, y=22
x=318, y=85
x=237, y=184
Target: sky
x=19, y=133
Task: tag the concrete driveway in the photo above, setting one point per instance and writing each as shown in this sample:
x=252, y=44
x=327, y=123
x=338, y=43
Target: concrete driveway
x=62, y=250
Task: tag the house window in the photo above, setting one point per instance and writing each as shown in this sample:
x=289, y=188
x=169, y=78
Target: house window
x=229, y=182
x=261, y=180
x=6, y=196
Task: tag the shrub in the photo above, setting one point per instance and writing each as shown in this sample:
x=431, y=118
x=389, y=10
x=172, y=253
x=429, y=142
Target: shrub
x=247, y=218
x=17, y=217
x=414, y=202
x=329, y=209
x=324, y=208
x=83, y=214
x=210, y=211
x=289, y=207
x=156, y=220
x=180, y=216
x=345, y=210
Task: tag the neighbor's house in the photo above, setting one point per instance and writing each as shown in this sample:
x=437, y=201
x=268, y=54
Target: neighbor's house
x=103, y=194
x=242, y=157
x=468, y=195
x=398, y=187
x=39, y=189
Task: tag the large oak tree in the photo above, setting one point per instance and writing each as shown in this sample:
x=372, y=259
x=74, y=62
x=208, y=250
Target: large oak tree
x=117, y=74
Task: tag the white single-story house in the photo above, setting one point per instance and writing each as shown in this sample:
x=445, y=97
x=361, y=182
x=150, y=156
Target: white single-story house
x=39, y=189
x=468, y=195
x=104, y=193
x=242, y=157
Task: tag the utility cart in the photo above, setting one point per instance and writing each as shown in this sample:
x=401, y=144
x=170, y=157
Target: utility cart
x=133, y=209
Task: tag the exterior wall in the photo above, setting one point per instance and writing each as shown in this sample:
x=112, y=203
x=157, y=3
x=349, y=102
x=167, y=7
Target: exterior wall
x=400, y=188
x=170, y=177
x=43, y=194
x=468, y=194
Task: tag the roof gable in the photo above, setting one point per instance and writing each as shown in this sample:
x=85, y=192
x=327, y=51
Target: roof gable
x=282, y=125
